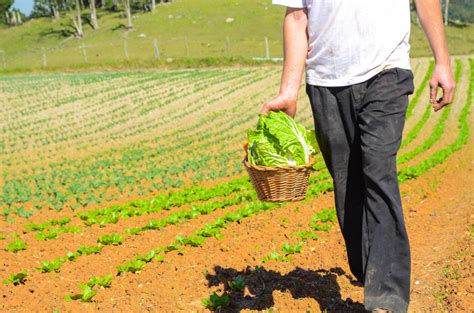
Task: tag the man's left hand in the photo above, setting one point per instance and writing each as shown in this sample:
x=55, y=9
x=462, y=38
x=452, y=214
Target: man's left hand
x=442, y=77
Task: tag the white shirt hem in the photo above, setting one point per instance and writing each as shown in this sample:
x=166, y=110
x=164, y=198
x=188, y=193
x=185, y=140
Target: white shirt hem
x=352, y=80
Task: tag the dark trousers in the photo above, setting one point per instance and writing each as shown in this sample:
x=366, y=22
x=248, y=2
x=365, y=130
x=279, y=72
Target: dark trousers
x=359, y=131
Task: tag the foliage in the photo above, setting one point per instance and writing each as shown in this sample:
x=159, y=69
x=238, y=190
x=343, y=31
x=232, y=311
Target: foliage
x=104, y=281
x=280, y=141
x=16, y=246
x=86, y=296
x=215, y=302
x=131, y=266
x=112, y=239
x=87, y=250
x=50, y=266
x=4, y=7
x=16, y=279
x=237, y=284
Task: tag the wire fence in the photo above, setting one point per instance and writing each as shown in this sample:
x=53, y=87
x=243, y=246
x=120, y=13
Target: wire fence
x=141, y=48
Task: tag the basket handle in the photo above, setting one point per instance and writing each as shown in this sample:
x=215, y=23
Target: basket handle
x=245, y=145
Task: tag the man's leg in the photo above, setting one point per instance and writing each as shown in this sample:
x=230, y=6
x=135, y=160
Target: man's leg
x=381, y=119
x=335, y=124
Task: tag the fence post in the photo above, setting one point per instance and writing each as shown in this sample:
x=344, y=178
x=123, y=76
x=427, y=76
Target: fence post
x=227, y=44
x=84, y=53
x=125, y=48
x=267, y=48
x=155, y=47
x=45, y=60
x=186, y=45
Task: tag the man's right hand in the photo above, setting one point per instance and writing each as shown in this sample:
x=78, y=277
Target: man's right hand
x=280, y=103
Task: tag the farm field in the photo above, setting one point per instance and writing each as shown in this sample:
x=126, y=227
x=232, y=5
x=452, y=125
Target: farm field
x=185, y=32
x=125, y=191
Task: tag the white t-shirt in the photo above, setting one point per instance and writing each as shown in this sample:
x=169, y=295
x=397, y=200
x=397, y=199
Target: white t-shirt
x=350, y=41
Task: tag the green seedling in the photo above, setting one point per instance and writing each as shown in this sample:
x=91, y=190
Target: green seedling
x=320, y=227
x=16, y=246
x=131, y=266
x=215, y=302
x=275, y=256
x=16, y=279
x=50, y=266
x=190, y=241
x=113, y=239
x=289, y=249
x=105, y=281
x=86, y=295
x=237, y=284
x=147, y=258
x=305, y=235
x=87, y=250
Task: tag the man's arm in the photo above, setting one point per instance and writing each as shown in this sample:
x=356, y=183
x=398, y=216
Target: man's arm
x=429, y=13
x=295, y=42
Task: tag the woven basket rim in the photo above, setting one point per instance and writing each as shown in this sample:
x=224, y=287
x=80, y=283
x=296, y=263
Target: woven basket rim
x=247, y=164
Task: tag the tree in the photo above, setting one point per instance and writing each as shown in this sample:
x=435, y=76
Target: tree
x=128, y=13
x=4, y=7
x=94, y=22
x=77, y=20
x=51, y=8
x=446, y=11
x=54, y=8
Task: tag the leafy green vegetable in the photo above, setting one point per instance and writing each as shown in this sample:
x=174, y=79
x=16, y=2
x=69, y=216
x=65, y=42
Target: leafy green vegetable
x=87, y=250
x=50, y=266
x=147, y=258
x=16, y=246
x=289, y=249
x=3, y=237
x=320, y=227
x=16, y=279
x=131, y=266
x=86, y=295
x=324, y=216
x=72, y=256
x=113, y=239
x=237, y=284
x=215, y=302
x=105, y=281
x=279, y=140
x=275, y=256
x=190, y=241
x=306, y=235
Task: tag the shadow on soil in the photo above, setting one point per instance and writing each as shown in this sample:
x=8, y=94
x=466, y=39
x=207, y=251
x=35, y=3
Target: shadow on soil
x=320, y=285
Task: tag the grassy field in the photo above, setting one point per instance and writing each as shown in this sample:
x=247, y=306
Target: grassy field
x=192, y=33
x=125, y=191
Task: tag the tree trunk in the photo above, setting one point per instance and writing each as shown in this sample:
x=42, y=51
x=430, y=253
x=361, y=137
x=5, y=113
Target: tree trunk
x=77, y=20
x=53, y=4
x=446, y=11
x=153, y=5
x=7, y=16
x=55, y=11
x=94, y=22
x=18, y=17
x=128, y=13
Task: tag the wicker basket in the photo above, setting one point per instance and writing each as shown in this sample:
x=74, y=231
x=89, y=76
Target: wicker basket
x=279, y=184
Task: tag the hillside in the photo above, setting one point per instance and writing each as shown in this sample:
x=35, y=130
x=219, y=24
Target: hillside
x=187, y=32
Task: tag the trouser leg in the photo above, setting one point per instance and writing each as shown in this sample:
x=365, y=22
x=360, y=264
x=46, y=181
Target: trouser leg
x=380, y=121
x=359, y=131
x=335, y=125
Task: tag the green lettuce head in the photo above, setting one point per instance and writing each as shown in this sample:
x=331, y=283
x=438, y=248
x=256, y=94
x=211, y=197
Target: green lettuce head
x=280, y=141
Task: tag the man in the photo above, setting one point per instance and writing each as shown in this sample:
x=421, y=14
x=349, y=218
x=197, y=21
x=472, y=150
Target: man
x=358, y=80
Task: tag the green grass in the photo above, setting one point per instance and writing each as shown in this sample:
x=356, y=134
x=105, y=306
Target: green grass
x=196, y=35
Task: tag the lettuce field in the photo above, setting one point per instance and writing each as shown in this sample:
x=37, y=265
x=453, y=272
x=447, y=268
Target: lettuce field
x=125, y=191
